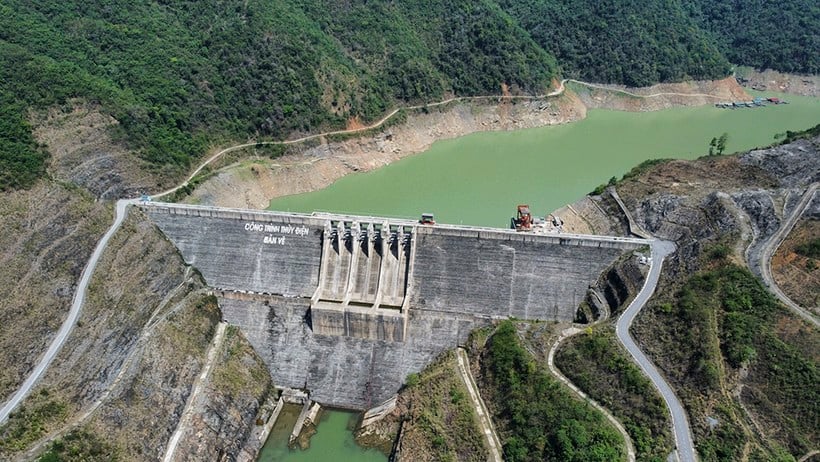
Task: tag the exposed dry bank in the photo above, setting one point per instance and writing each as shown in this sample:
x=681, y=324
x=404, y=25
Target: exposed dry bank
x=253, y=182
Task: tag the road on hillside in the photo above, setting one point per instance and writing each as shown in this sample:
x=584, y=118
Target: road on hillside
x=494, y=446
x=771, y=247
x=73, y=314
x=680, y=422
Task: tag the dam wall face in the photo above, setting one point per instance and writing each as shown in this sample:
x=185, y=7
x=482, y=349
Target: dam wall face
x=525, y=276
x=246, y=251
x=341, y=371
x=346, y=307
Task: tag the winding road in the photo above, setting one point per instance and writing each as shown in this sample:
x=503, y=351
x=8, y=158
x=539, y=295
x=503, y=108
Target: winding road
x=680, y=423
x=73, y=314
x=771, y=247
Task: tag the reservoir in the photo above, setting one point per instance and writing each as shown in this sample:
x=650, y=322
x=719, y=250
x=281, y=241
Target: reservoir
x=478, y=179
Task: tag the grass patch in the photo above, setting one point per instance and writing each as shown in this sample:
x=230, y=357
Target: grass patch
x=724, y=325
x=441, y=424
x=239, y=370
x=31, y=421
x=809, y=249
x=80, y=445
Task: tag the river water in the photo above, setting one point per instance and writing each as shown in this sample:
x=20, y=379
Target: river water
x=333, y=440
x=479, y=179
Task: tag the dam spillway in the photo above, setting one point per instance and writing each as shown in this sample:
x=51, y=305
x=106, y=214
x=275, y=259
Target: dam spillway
x=347, y=306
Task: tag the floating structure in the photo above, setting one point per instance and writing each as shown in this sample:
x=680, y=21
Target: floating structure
x=757, y=102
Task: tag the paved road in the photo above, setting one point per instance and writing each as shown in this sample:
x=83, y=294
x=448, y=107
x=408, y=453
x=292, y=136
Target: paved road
x=771, y=247
x=493, y=442
x=680, y=423
x=73, y=314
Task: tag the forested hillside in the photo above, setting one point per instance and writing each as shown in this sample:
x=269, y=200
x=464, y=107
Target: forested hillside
x=782, y=35
x=179, y=76
x=636, y=43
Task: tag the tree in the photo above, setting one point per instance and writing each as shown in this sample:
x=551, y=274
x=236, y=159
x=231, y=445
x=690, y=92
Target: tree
x=721, y=143
x=712, y=146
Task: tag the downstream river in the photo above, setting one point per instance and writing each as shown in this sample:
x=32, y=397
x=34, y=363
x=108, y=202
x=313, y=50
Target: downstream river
x=332, y=442
x=479, y=179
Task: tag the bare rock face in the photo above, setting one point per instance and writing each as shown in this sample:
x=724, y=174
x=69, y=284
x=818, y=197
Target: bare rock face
x=660, y=96
x=84, y=152
x=225, y=416
x=716, y=198
x=794, y=165
x=770, y=80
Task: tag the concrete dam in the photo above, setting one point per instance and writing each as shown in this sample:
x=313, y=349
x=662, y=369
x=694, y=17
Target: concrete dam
x=346, y=306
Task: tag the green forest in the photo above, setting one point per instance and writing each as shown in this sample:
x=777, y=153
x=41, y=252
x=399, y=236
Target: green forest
x=180, y=76
x=556, y=426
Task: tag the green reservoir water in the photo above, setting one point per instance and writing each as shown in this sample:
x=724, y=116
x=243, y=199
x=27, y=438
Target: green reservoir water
x=333, y=441
x=478, y=179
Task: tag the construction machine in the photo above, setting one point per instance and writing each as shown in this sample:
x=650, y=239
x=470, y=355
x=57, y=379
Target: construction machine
x=523, y=221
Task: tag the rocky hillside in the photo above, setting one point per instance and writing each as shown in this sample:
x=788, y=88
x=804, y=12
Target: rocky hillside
x=744, y=366
x=48, y=233
x=434, y=419
x=796, y=265
x=123, y=379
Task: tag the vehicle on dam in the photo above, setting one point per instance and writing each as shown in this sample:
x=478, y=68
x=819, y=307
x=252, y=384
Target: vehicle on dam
x=427, y=219
x=525, y=222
